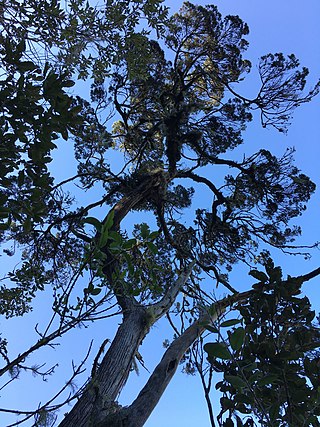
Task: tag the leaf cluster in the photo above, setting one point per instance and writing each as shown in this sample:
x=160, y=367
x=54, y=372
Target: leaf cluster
x=271, y=365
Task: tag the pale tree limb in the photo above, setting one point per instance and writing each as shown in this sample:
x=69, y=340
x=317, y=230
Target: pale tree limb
x=139, y=411
x=161, y=307
x=113, y=372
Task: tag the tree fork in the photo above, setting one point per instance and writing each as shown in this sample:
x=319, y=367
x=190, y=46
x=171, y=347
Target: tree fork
x=139, y=411
x=99, y=397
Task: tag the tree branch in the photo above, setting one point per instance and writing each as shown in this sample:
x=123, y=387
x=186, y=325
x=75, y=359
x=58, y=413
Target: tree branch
x=139, y=411
x=162, y=306
x=309, y=276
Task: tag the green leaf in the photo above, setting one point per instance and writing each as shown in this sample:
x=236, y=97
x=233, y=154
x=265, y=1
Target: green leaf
x=254, y=377
x=21, y=178
x=276, y=274
x=109, y=220
x=68, y=83
x=24, y=66
x=27, y=225
x=212, y=310
x=236, y=338
x=152, y=248
x=274, y=411
x=93, y=221
x=268, y=379
x=129, y=244
x=129, y=262
x=236, y=381
x=154, y=235
x=212, y=329
x=145, y=230
x=64, y=133
x=217, y=349
x=228, y=423
x=105, y=229
x=239, y=421
x=4, y=212
x=135, y=292
x=226, y=403
x=115, y=247
x=230, y=322
x=250, y=367
x=103, y=238
x=114, y=235
x=248, y=399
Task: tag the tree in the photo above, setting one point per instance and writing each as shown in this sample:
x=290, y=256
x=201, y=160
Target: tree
x=175, y=115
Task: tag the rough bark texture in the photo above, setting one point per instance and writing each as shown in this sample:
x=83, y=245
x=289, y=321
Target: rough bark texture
x=139, y=411
x=97, y=404
x=112, y=374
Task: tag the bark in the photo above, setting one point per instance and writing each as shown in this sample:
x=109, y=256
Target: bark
x=112, y=373
x=147, y=190
x=160, y=308
x=97, y=406
x=140, y=410
x=97, y=403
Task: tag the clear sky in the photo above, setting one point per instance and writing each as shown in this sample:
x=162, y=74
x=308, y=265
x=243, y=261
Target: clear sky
x=288, y=26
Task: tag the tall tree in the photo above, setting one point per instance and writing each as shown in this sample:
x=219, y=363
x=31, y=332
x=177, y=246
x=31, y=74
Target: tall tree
x=175, y=116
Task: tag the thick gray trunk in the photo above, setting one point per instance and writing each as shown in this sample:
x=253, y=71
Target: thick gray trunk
x=103, y=389
x=97, y=407
x=139, y=411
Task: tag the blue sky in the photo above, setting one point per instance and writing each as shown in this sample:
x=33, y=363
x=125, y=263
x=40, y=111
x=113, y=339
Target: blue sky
x=282, y=25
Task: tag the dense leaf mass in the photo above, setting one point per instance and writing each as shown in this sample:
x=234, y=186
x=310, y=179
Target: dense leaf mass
x=273, y=373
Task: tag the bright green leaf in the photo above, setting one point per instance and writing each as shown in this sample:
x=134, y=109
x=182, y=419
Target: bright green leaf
x=109, y=221
x=103, y=239
x=93, y=221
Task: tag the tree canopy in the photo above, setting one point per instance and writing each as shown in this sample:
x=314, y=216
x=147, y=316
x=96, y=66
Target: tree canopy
x=160, y=124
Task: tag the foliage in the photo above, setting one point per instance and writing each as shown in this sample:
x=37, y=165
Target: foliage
x=271, y=364
x=71, y=34
x=160, y=114
x=35, y=111
x=35, y=108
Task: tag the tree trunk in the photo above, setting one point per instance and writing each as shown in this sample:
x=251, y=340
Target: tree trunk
x=103, y=389
x=139, y=411
x=97, y=404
